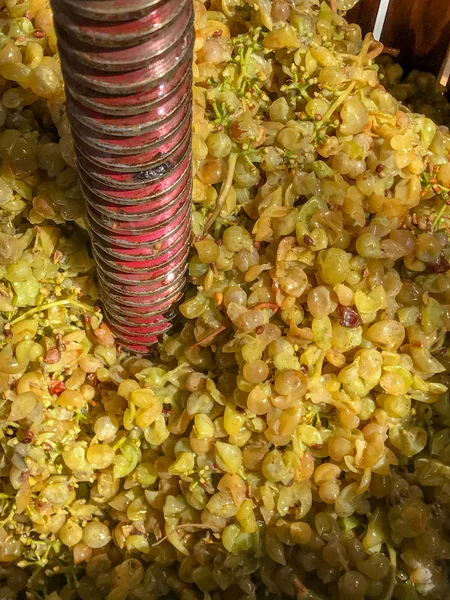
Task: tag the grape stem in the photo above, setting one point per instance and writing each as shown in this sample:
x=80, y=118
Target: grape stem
x=226, y=11
x=340, y=100
x=226, y=186
x=185, y=526
x=438, y=216
x=44, y=307
x=391, y=51
x=211, y=336
x=393, y=561
x=365, y=49
x=377, y=50
x=302, y=591
x=240, y=85
x=271, y=305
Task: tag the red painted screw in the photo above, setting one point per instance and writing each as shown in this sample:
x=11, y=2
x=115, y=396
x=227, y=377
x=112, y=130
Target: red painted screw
x=127, y=69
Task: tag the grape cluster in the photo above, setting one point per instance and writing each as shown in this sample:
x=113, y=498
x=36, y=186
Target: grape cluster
x=291, y=436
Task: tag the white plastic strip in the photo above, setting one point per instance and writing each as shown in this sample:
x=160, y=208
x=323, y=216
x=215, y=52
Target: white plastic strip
x=381, y=19
x=444, y=74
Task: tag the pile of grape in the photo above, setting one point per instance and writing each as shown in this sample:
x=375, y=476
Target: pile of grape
x=291, y=437
x=419, y=91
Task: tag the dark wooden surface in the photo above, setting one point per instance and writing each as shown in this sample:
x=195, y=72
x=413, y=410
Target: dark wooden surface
x=419, y=28
x=365, y=13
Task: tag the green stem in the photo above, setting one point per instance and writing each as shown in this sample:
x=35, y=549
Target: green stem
x=438, y=216
x=244, y=65
x=393, y=560
x=44, y=307
x=340, y=100
x=304, y=93
x=120, y=443
x=216, y=109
